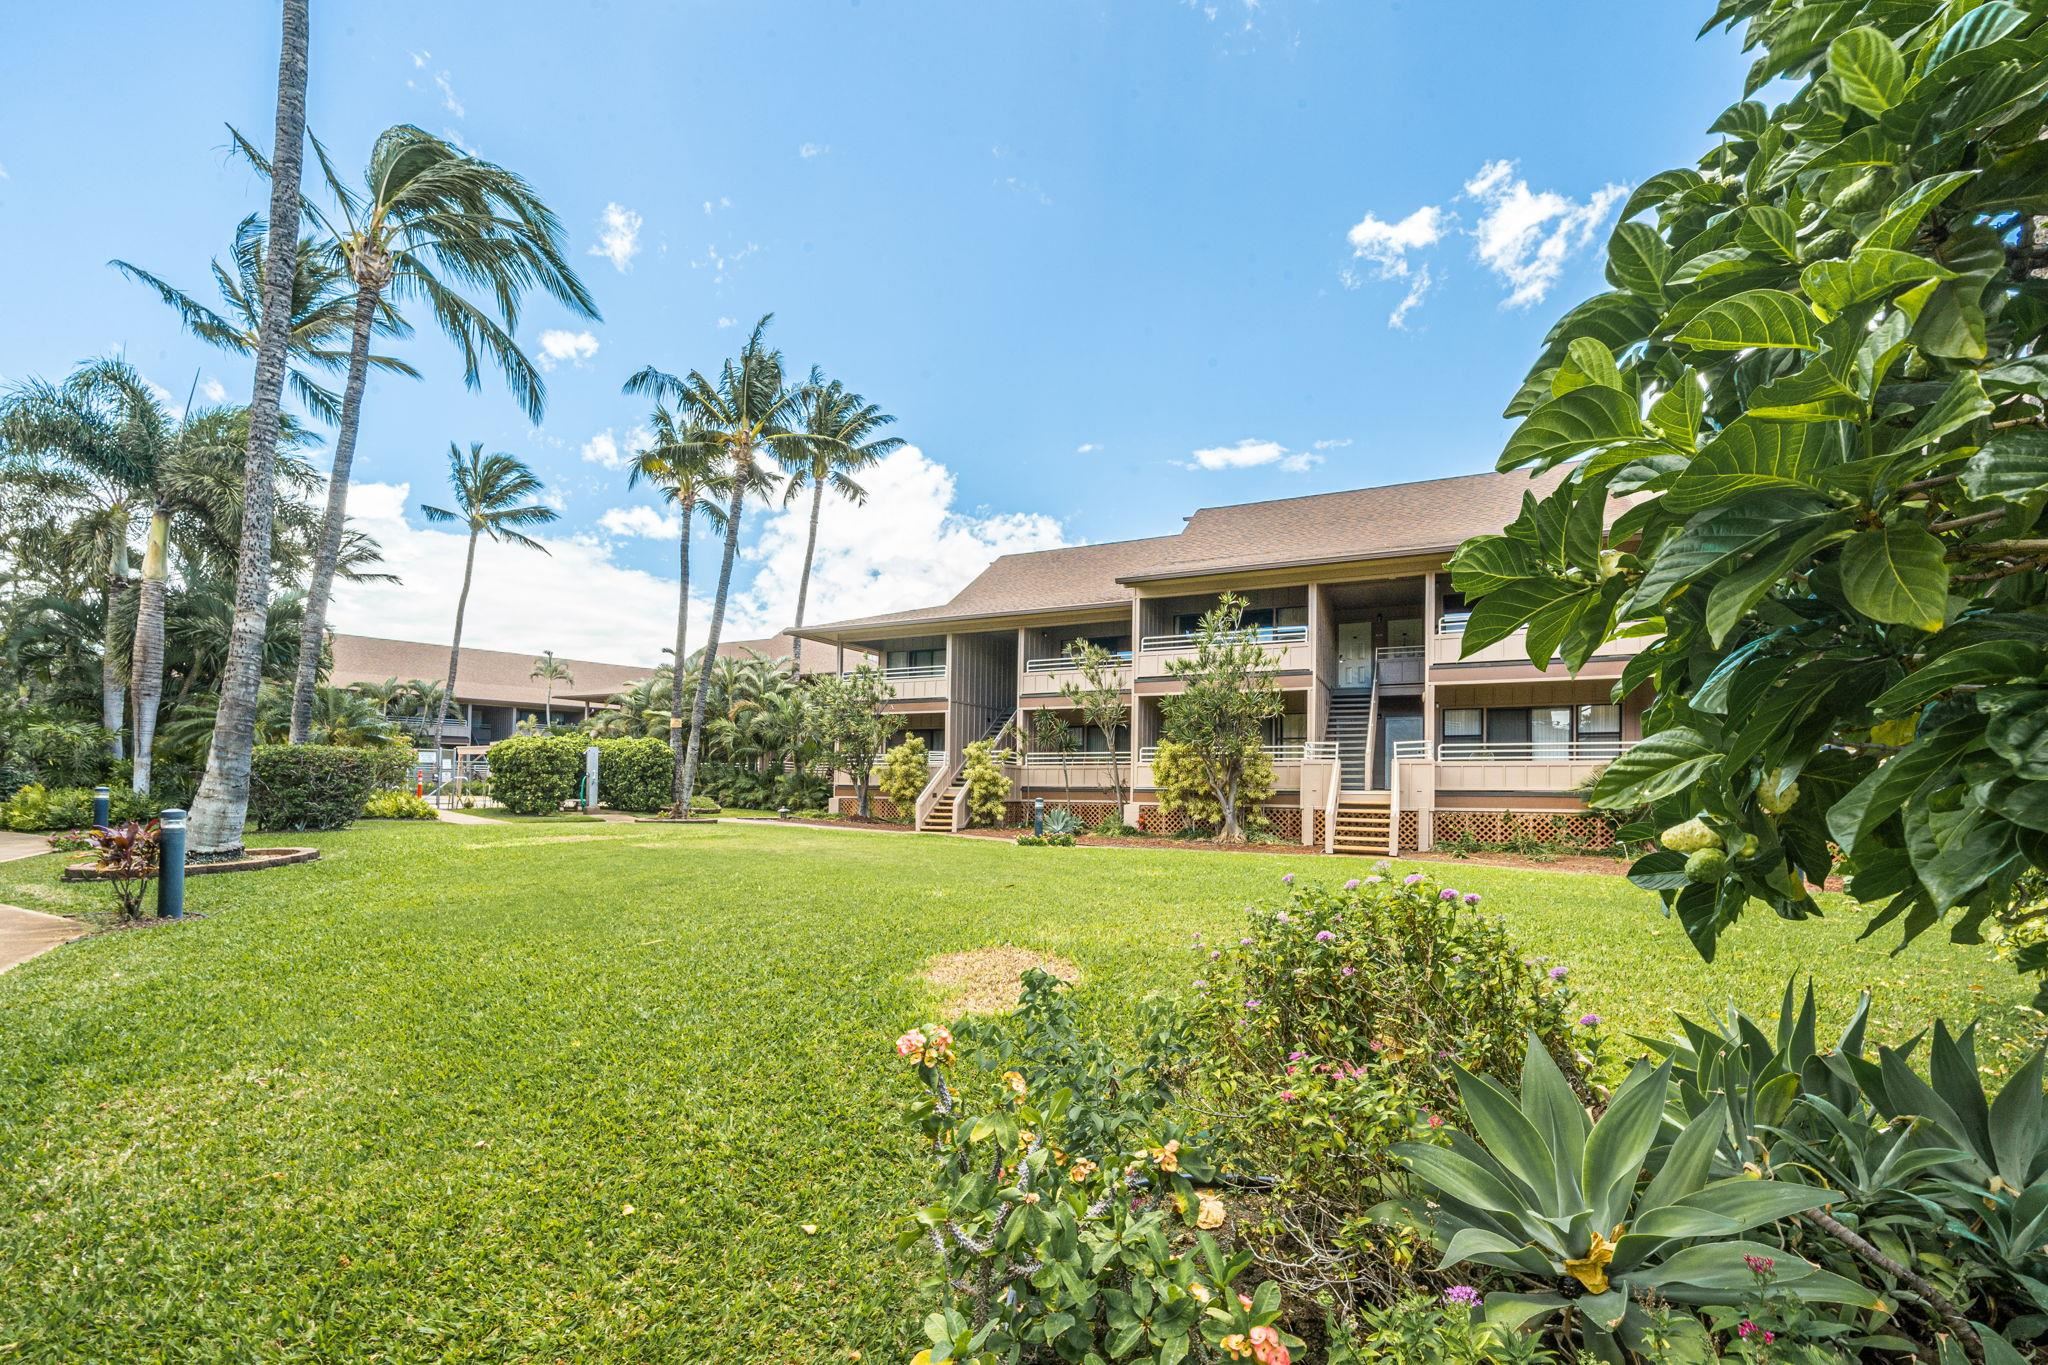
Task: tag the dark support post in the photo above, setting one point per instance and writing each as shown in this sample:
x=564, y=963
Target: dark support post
x=102, y=807
x=1038, y=816
x=170, y=877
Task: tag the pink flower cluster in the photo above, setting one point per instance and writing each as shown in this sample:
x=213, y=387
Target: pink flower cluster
x=927, y=1048
x=1261, y=1344
x=1747, y=1329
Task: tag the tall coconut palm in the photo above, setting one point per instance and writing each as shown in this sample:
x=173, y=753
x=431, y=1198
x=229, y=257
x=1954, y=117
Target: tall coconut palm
x=104, y=442
x=842, y=428
x=553, y=670
x=492, y=498
x=688, y=470
x=749, y=414
x=428, y=218
x=323, y=309
x=221, y=808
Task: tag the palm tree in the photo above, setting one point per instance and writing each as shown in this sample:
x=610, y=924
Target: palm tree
x=323, y=306
x=428, y=213
x=221, y=808
x=491, y=499
x=688, y=469
x=553, y=670
x=749, y=413
x=104, y=442
x=842, y=427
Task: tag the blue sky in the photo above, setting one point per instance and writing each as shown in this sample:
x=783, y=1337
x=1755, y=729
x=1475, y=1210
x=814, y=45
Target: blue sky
x=1106, y=262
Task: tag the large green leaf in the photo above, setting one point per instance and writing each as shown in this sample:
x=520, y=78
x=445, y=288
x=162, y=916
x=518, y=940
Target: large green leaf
x=1577, y=422
x=1662, y=765
x=1676, y=413
x=1896, y=574
x=1754, y=318
x=1735, y=596
x=1637, y=260
x=1485, y=564
x=1869, y=70
x=1586, y=361
x=1506, y=610
x=1461, y=1178
x=1868, y=274
x=1984, y=663
x=1903, y=216
x=2012, y=467
x=1749, y=456
x=1498, y=1121
x=1619, y=1142
x=1766, y=227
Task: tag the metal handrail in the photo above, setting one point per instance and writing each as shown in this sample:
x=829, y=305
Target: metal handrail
x=1264, y=635
x=1534, y=751
x=1078, y=758
x=916, y=671
x=1409, y=749
x=1318, y=751
x=1060, y=663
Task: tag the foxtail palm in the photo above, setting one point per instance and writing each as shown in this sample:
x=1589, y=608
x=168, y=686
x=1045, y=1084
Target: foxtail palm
x=222, y=806
x=493, y=497
x=323, y=306
x=688, y=470
x=841, y=427
x=427, y=218
x=749, y=414
x=553, y=670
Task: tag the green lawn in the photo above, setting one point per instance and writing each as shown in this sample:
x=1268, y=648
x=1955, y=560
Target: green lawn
x=470, y=1093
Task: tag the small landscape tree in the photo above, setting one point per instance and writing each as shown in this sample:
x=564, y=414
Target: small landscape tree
x=904, y=773
x=1050, y=734
x=1231, y=691
x=1103, y=705
x=1182, y=780
x=988, y=791
x=846, y=718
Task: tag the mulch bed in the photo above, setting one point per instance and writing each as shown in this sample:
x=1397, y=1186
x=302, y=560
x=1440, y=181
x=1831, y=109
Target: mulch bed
x=253, y=860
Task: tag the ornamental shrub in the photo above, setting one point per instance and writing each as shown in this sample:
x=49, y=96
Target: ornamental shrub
x=1331, y=1028
x=535, y=774
x=36, y=809
x=397, y=804
x=904, y=771
x=635, y=774
x=988, y=791
x=318, y=786
x=1183, y=784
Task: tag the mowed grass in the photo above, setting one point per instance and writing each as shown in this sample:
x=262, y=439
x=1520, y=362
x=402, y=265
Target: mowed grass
x=469, y=1093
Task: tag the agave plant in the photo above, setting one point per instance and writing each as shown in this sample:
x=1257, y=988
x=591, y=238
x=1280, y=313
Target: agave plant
x=1545, y=1194
x=1060, y=820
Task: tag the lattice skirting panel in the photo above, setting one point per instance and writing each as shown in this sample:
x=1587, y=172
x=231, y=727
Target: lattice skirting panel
x=879, y=806
x=1411, y=829
x=1582, y=828
x=1317, y=823
x=1157, y=820
x=1089, y=813
x=1285, y=822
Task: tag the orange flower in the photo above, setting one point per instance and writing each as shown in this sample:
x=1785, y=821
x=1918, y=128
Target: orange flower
x=1167, y=1158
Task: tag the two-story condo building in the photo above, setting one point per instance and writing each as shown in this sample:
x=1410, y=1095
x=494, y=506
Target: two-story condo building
x=1391, y=739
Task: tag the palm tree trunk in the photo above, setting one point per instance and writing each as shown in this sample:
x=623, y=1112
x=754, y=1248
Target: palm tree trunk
x=803, y=583
x=679, y=794
x=454, y=651
x=732, y=547
x=147, y=665
x=313, y=629
x=549, y=722
x=222, y=806
x=113, y=682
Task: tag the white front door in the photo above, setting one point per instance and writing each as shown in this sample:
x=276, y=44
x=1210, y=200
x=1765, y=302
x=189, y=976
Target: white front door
x=1354, y=654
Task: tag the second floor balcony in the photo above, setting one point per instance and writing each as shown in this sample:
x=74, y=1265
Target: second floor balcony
x=1288, y=760
x=1447, y=643
x=914, y=681
x=1058, y=672
x=1544, y=765
x=1287, y=645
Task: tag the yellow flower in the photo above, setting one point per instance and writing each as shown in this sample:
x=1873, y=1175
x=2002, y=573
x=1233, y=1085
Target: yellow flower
x=1198, y=1291
x=1081, y=1170
x=923, y=1357
x=1236, y=1347
x=1015, y=1081
x=1590, y=1269
x=1212, y=1212
x=1167, y=1158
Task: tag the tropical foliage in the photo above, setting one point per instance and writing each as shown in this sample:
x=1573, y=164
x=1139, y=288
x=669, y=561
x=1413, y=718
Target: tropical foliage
x=903, y=774
x=1230, y=690
x=1816, y=383
x=319, y=786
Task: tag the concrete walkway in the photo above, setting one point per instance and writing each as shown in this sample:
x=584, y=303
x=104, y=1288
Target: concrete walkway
x=463, y=817
x=26, y=933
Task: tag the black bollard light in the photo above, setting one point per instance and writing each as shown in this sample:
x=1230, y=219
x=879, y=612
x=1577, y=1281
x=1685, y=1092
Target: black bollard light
x=1038, y=817
x=170, y=877
x=102, y=807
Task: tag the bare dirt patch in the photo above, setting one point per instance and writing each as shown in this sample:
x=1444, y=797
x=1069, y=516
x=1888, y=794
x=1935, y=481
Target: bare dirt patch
x=990, y=980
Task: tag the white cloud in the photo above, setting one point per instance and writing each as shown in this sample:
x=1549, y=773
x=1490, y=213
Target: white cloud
x=448, y=98
x=719, y=264
x=608, y=450
x=1252, y=454
x=1086, y=448
x=3, y=172
x=522, y=600
x=619, y=240
x=420, y=59
x=1387, y=245
x=713, y=206
x=1333, y=443
x=213, y=390
x=811, y=149
x=728, y=322
x=558, y=345
x=1418, y=287
x=640, y=521
x=906, y=546
x=1526, y=237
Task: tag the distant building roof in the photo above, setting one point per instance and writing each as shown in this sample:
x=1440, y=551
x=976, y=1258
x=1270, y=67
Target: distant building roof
x=819, y=658
x=1433, y=516
x=487, y=677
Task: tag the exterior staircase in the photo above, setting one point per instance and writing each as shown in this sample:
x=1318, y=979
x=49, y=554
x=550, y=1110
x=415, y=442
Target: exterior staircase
x=1351, y=728
x=939, y=819
x=1362, y=829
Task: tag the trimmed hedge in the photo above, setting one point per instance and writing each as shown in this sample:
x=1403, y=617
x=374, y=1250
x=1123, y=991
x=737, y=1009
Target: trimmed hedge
x=635, y=774
x=397, y=804
x=36, y=809
x=318, y=786
x=535, y=774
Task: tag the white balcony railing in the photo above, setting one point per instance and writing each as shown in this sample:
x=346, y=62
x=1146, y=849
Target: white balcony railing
x=1405, y=749
x=1321, y=751
x=1398, y=665
x=1080, y=758
x=1263, y=635
x=919, y=671
x=1538, y=751
x=1062, y=663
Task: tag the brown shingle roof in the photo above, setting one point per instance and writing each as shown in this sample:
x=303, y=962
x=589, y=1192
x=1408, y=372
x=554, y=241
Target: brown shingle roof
x=1431, y=516
x=487, y=677
x=818, y=658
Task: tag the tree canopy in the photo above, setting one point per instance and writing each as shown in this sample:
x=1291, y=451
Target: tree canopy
x=1803, y=451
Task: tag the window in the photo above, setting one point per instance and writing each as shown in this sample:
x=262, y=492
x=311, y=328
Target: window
x=1119, y=645
x=1464, y=722
x=917, y=658
x=1550, y=732
x=1507, y=725
x=1600, y=722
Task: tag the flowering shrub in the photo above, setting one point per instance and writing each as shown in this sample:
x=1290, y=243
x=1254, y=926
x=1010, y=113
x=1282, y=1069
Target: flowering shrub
x=127, y=856
x=397, y=804
x=1331, y=1028
x=1070, y=1217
